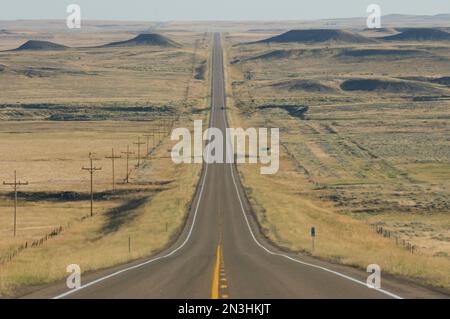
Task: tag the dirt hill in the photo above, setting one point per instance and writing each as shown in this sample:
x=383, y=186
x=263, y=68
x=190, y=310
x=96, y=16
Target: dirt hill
x=40, y=46
x=149, y=39
x=303, y=85
x=388, y=86
x=363, y=53
x=318, y=36
x=420, y=34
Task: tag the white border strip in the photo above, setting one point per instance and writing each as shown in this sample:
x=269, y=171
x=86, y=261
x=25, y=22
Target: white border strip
x=157, y=258
x=283, y=255
x=148, y=261
x=192, y=227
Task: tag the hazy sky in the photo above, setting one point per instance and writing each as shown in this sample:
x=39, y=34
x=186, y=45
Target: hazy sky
x=163, y=10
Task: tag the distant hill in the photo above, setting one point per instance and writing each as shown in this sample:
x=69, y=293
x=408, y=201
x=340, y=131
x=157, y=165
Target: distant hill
x=292, y=53
x=420, y=34
x=382, y=85
x=303, y=85
x=445, y=80
x=382, y=30
x=384, y=53
x=147, y=39
x=3, y=31
x=317, y=36
x=40, y=46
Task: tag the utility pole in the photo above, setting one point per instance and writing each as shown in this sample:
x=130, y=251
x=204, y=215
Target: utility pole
x=15, y=184
x=171, y=123
x=163, y=128
x=148, y=142
x=153, y=133
x=128, y=153
x=139, y=143
x=113, y=158
x=155, y=137
x=92, y=169
x=159, y=132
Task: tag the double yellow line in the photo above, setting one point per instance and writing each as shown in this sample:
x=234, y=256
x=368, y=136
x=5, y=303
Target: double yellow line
x=215, y=282
x=218, y=277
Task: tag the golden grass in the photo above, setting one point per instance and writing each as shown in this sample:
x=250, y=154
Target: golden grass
x=150, y=226
x=287, y=214
x=104, y=75
x=358, y=159
x=50, y=154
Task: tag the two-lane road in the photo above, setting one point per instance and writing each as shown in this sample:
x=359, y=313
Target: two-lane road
x=220, y=253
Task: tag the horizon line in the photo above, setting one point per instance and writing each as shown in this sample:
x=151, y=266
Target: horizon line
x=228, y=20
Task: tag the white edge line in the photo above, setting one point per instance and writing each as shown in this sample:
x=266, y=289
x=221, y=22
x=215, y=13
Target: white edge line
x=190, y=233
x=283, y=255
x=67, y=293
x=148, y=261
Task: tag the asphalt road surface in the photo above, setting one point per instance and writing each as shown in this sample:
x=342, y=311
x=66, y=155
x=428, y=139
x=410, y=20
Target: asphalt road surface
x=221, y=254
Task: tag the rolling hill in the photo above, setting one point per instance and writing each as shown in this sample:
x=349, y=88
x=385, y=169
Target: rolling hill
x=317, y=36
x=147, y=39
x=36, y=45
x=385, y=85
x=420, y=34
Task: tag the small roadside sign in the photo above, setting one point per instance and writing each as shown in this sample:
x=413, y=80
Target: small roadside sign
x=313, y=235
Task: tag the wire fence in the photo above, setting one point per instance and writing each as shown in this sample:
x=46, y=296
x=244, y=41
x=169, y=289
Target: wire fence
x=382, y=231
x=30, y=244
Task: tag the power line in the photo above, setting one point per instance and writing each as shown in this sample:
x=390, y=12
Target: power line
x=148, y=141
x=15, y=184
x=128, y=153
x=113, y=158
x=139, y=143
x=92, y=169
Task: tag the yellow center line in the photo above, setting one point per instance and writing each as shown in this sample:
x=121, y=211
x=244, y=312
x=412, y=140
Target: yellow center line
x=215, y=282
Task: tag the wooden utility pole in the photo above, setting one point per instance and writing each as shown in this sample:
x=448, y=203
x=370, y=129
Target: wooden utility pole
x=139, y=143
x=155, y=130
x=171, y=123
x=148, y=142
x=159, y=131
x=154, y=136
x=113, y=158
x=128, y=153
x=92, y=169
x=15, y=184
x=162, y=129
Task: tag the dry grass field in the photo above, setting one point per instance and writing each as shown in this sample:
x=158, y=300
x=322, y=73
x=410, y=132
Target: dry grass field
x=58, y=106
x=85, y=74
x=364, y=147
x=150, y=209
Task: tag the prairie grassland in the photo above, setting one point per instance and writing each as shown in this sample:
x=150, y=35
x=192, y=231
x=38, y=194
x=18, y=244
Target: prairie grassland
x=151, y=213
x=351, y=159
x=103, y=75
x=50, y=120
x=150, y=209
x=50, y=157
